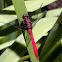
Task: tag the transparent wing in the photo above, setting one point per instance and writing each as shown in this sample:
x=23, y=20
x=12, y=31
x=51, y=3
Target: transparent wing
x=37, y=18
x=39, y=9
x=18, y=27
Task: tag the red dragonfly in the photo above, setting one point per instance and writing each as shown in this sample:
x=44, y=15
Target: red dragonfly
x=28, y=25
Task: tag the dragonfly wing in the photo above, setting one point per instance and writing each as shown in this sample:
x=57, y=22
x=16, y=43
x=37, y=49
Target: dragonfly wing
x=39, y=9
x=34, y=23
x=37, y=15
x=18, y=27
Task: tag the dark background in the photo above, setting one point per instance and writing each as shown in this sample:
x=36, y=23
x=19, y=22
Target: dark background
x=54, y=5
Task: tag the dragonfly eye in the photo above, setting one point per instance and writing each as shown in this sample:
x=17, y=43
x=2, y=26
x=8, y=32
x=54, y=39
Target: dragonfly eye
x=25, y=15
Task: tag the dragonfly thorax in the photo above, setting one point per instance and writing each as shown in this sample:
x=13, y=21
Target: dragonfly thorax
x=27, y=21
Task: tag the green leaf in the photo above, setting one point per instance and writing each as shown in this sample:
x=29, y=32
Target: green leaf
x=19, y=9
x=59, y=58
x=7, y=18
x=17, y=50
x=60, y=19
x=1, y=4
x=8, y=40
x=40, y=30
x=52, y=42
x=55, y=12
x=6, y=44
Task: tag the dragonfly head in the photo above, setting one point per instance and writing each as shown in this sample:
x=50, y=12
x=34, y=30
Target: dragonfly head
x=25, y=15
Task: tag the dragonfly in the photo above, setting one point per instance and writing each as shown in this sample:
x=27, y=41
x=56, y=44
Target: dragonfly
x=28, y=27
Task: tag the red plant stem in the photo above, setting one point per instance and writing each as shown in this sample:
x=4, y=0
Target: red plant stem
x=33, y=43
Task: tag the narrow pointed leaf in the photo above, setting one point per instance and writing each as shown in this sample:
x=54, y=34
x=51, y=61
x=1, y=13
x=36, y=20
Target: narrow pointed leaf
x=20, y=11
